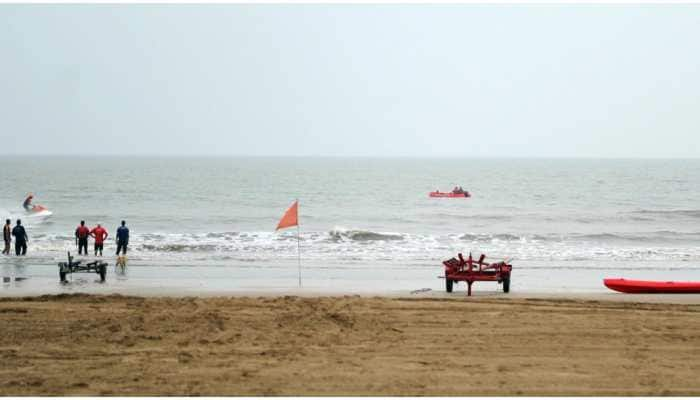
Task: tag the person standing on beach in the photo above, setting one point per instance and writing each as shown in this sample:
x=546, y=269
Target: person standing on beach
x=7, y=236
x=122, y=238
x=100, y=234
x=81, y=236
x=21, y=238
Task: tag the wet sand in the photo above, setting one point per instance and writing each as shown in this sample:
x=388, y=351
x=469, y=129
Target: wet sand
x=347, y=345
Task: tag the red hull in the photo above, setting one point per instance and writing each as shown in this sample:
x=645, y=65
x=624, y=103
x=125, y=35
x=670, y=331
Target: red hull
x=449, y=194
x=632, y=286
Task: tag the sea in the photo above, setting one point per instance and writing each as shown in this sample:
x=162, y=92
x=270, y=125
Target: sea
x=367, y=225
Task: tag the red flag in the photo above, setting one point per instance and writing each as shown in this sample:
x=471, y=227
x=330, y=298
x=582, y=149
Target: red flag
x=290, y=218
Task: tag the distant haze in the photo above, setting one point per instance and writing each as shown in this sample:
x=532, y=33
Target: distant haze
x=351, y=80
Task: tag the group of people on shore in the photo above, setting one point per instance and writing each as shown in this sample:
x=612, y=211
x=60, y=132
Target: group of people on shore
x=20, y=235
x=82, y=234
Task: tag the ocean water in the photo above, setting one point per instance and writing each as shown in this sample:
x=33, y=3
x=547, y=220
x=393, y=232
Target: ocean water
x=365, y=223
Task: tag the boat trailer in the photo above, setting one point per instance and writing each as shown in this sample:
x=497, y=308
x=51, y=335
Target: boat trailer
x=65, y=268
x=470, y=271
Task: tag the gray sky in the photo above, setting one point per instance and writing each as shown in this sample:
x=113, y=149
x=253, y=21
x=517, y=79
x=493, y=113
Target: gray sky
x=373, y=80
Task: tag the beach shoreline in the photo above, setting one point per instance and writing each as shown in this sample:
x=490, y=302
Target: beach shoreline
x=422, y=344
x=378, y=279
x=689, y=299
x=89, y=284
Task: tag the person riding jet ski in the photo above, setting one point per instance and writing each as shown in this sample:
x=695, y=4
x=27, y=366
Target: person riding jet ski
x=28, y=202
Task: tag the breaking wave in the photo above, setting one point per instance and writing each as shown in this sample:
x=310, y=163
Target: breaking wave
x=650, y=237
x=358, y=245
x=180, y=248
x=362, y=236
x=485, y=237
x=668, y=213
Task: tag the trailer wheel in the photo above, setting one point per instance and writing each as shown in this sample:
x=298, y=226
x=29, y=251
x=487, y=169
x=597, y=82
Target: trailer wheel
x=506, y=285
x=103, y=272
x=448, y=285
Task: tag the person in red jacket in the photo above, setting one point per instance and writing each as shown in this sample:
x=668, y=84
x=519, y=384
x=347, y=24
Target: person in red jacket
x=100, y=234
x=81, y=236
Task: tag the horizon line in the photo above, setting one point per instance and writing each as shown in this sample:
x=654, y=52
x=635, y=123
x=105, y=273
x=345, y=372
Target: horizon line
x=584, y=157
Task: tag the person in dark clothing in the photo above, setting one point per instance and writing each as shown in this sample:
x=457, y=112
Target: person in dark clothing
x=122, y=238
x=7, y=236
x=81, y=236
x=21, y=238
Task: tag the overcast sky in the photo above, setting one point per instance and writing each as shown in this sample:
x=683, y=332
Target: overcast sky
x=368, y=80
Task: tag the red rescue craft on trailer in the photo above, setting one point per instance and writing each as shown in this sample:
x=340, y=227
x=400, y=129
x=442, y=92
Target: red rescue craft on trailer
x=633, y=286
x=471, y=270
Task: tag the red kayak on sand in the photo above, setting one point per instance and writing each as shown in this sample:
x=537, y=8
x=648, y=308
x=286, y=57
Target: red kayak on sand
x=449, y=194
x=632, y=286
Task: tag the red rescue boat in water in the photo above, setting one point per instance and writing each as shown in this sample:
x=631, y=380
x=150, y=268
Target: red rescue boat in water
x=450, y=194
x=634, y=286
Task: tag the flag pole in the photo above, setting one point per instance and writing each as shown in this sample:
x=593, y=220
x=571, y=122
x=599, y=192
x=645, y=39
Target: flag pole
x=289, y=219
x=299, y=246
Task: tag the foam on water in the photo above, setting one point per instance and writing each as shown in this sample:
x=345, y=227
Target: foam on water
x=365, y=245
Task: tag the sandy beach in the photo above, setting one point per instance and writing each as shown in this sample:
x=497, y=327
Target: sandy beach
x=347, y=345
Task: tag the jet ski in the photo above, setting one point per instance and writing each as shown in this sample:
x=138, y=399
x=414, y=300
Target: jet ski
x=39, y=211
x=35, y=210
